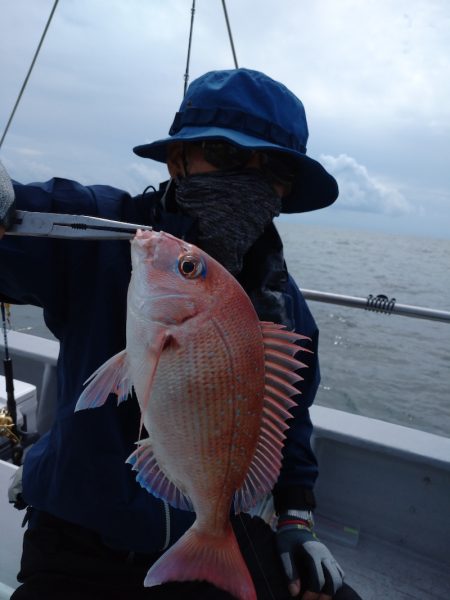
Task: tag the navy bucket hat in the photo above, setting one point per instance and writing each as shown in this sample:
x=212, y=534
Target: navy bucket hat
x=249, y=109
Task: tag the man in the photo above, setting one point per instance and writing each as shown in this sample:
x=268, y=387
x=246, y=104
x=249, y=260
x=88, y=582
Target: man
x=236, y=154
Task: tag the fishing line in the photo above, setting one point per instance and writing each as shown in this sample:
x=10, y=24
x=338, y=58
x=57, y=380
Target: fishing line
x=255, y=554
x=186, y=79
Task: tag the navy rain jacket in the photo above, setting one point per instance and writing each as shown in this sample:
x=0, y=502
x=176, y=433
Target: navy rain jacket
x=77, y=470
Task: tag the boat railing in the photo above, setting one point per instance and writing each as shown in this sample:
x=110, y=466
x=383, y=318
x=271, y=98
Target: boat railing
x=35, y=358
x=379, y=304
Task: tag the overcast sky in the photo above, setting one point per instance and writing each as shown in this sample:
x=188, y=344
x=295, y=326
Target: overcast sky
x=374, y=76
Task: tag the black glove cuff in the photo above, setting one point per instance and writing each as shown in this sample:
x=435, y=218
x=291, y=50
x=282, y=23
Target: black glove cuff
x=293, y=497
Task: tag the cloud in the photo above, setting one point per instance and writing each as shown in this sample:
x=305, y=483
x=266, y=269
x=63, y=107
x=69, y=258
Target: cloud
x=373, y=77
x=142, y=174
x=363, y=192
x=26, y=164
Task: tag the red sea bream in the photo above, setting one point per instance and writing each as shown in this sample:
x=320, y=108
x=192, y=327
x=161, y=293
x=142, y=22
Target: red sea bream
x=214, y=386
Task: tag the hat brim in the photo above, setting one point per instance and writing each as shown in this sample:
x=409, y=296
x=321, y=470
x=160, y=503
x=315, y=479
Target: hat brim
x=313, y=186
x=158, y=150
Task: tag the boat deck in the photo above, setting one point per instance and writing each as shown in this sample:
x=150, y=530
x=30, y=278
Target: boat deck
x=383, y=571
x=377, y=570
x=384, y=496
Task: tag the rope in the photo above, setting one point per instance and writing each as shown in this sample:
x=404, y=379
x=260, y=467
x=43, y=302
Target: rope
x=28, y=74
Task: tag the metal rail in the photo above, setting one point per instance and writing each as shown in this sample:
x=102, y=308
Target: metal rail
x=379, y=303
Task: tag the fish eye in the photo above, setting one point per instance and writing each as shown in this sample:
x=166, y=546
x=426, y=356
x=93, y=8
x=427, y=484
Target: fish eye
x=190, y=266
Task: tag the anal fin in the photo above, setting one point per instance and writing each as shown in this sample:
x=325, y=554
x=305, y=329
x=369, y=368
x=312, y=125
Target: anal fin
x=153, y=479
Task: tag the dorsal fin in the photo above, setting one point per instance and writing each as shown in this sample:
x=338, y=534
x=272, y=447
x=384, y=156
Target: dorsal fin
x=281, y=367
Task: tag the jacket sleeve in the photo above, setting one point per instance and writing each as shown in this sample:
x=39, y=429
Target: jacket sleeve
x=34, y=270
x=299, y=471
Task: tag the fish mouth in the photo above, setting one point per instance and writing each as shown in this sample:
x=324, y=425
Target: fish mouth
x=143, y=234
x=145, y=239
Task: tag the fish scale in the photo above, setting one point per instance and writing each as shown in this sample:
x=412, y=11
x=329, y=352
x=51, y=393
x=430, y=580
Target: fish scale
x=207, y=441
x=214, y=386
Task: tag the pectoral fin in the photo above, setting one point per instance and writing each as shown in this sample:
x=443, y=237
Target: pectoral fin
x=111, y=378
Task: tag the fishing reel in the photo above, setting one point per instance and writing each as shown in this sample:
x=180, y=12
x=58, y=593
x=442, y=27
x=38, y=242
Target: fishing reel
x=14, y=439
x=7, y=427
x=8, y=430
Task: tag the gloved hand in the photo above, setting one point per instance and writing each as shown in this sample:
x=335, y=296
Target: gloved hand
x=309, y=565
x=7, y=200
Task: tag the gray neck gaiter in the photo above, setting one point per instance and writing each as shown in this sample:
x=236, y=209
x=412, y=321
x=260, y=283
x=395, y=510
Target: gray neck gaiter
x=232, y=209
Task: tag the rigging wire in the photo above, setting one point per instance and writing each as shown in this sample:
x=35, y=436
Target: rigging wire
x=230, y=35
x=24, y=85
x=186, y=74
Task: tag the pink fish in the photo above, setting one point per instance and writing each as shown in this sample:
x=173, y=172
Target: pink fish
x=214, y=386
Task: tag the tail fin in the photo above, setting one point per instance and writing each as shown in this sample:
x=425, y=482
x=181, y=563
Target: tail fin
x=198, y=556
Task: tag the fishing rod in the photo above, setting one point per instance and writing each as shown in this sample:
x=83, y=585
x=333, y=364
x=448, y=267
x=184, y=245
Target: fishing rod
x=8, y=370
x=18, y=436
x=8, y=415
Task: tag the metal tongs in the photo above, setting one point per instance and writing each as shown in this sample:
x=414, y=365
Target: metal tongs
x=76, y=227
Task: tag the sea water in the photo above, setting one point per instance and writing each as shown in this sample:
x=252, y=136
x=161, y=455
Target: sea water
x=389, y=367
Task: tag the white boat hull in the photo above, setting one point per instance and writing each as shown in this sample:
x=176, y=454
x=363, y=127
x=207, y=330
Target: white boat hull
x=383, y=494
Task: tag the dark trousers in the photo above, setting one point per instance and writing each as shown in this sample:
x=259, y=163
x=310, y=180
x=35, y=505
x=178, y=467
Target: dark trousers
x=61, y=561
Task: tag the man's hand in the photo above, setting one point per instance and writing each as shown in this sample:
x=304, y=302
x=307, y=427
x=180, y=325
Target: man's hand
x=2, y=231
x=309, y=565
